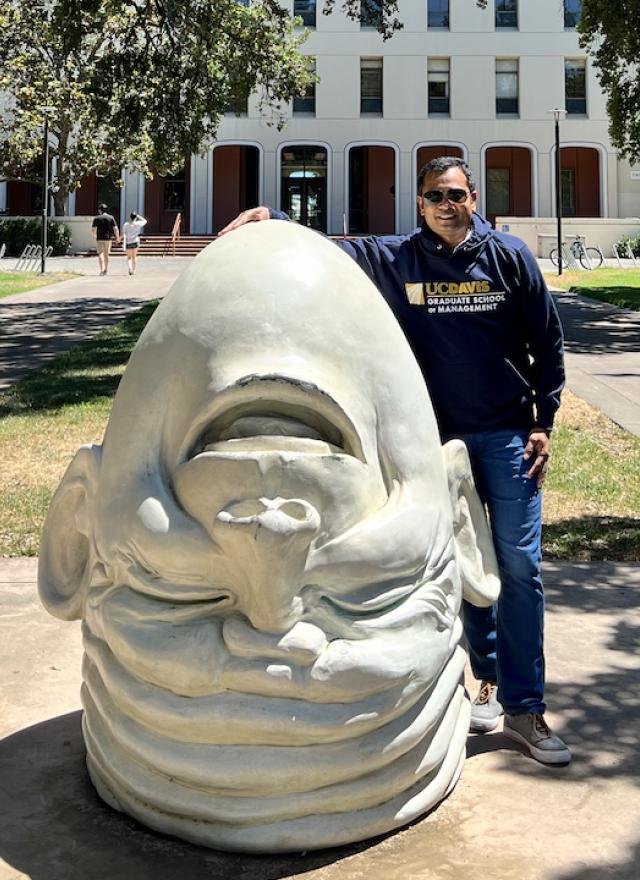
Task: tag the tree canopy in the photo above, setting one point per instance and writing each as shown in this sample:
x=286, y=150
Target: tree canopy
x=610, y=31
x=139, y=83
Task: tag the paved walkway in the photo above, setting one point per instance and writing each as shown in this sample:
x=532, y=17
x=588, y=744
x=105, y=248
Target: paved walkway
x=603, y=356
x=41, y=324
x=508, y=818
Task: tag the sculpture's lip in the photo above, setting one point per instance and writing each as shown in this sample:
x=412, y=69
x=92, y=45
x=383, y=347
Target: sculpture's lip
x=273, y=413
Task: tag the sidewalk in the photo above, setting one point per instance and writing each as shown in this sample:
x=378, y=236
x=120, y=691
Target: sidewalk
x=509, y=818
x=41, y=324
x=603, y=356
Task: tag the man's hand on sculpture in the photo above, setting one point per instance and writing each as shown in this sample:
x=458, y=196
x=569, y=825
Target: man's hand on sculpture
x=539, y=445
x=250, y=216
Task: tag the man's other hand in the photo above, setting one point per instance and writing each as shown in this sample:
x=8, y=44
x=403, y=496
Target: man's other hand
x=250, y=216
x=539, y=448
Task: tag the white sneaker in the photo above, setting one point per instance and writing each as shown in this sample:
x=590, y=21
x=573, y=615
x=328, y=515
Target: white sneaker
x=485, y=709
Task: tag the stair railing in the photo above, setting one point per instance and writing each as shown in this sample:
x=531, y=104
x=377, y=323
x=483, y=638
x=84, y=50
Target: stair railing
x=175, y=234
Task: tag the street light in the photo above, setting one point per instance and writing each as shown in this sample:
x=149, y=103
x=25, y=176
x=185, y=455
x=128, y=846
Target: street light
x=45, y=188
x=556, y=116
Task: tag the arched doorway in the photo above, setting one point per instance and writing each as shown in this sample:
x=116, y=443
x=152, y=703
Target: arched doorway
x=428, y=152
x=507, y=186
x=580, y=181
x=236, y=182
x=303, y=195
x=372, y=176
x=165, y=197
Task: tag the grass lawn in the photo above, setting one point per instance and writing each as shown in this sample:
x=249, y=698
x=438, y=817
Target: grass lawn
x=20, y=282
x=618, y=286
x=592, y=497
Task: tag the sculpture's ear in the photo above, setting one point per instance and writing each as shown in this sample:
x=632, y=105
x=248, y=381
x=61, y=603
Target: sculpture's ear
x=474, y=544
x=66, y=538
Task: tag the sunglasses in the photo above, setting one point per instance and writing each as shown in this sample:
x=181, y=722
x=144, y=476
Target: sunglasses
x=436, y=196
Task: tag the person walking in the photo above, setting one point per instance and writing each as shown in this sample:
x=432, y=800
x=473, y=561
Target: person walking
x=104, y=230
x=131, y=235
x=485, y=332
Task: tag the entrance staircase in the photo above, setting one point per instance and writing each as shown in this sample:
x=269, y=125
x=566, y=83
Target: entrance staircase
x=164, y=246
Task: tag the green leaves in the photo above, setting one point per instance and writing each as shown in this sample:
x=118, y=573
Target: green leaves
x=610, y=33
x=142, y=83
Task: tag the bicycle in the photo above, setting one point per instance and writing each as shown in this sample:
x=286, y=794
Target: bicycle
x=589, y=257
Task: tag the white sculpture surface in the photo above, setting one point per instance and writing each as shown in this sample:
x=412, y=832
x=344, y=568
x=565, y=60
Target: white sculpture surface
x=269, y=561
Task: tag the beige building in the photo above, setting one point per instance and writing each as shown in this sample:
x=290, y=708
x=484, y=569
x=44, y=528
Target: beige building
x=457, y=79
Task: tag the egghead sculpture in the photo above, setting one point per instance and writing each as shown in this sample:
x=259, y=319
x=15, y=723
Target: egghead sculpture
x=269, y=561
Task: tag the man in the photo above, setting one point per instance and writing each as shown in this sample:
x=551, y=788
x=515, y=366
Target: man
x=486, y=334
x=104, y=230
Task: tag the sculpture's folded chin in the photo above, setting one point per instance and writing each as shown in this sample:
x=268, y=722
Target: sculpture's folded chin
x=366, y=768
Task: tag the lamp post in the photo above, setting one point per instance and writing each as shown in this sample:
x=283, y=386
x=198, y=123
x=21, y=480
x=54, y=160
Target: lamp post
x=45, y=189
x=556, y=116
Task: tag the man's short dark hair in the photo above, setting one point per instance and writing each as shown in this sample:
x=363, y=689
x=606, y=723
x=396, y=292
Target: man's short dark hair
x=103, y=209
x=443, y=163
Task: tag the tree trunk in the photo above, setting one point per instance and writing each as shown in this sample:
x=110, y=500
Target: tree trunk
x=60, y=203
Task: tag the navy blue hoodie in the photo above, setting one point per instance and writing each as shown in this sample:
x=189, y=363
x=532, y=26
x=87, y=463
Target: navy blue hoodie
x=480, y=321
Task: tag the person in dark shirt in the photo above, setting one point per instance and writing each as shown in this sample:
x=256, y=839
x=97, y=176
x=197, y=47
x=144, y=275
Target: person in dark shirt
x=485, y=332
x=105, y=230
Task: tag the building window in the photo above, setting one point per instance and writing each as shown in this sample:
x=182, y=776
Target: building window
x=438, y=85
x=506, y=86
x=370, y=14
x=174, y=192
x=438, y=14
x=371, y=85
x=498, y=192
x=507, y=14
x=306, y=10
x=306, y=104
x=575, y=86
x=571, y=13
x=237, y=105
x=568, y=192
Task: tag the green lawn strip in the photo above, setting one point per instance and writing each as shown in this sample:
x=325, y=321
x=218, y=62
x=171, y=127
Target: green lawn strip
x=88, y=372
x=621, y=287
x=16, y=282
x=597, y=479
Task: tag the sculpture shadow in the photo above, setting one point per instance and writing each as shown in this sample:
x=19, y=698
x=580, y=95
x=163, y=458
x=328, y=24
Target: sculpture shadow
x=53, y=825
x=593, y=327
x=32, y=334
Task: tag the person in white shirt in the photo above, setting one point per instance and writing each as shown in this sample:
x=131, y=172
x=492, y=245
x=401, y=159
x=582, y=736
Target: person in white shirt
x=131, y=237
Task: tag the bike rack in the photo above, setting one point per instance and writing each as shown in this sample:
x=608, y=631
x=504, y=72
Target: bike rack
x=30, y=257
x=628, y=253
x=568, y=260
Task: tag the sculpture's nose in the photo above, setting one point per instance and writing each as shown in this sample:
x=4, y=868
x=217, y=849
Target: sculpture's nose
x=268, y=539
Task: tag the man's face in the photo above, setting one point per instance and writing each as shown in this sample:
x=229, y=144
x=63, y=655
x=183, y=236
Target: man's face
x=449, y=219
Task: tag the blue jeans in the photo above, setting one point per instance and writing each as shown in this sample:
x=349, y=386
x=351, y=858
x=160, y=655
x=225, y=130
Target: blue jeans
x=506, y=640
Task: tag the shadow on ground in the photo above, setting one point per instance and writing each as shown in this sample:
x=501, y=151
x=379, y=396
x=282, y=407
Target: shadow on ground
x=628, y=870
x=53, y=826
x=592, y=327
x=32, y=333
x=599, y=705
x=592, y=538
x=93, y=367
